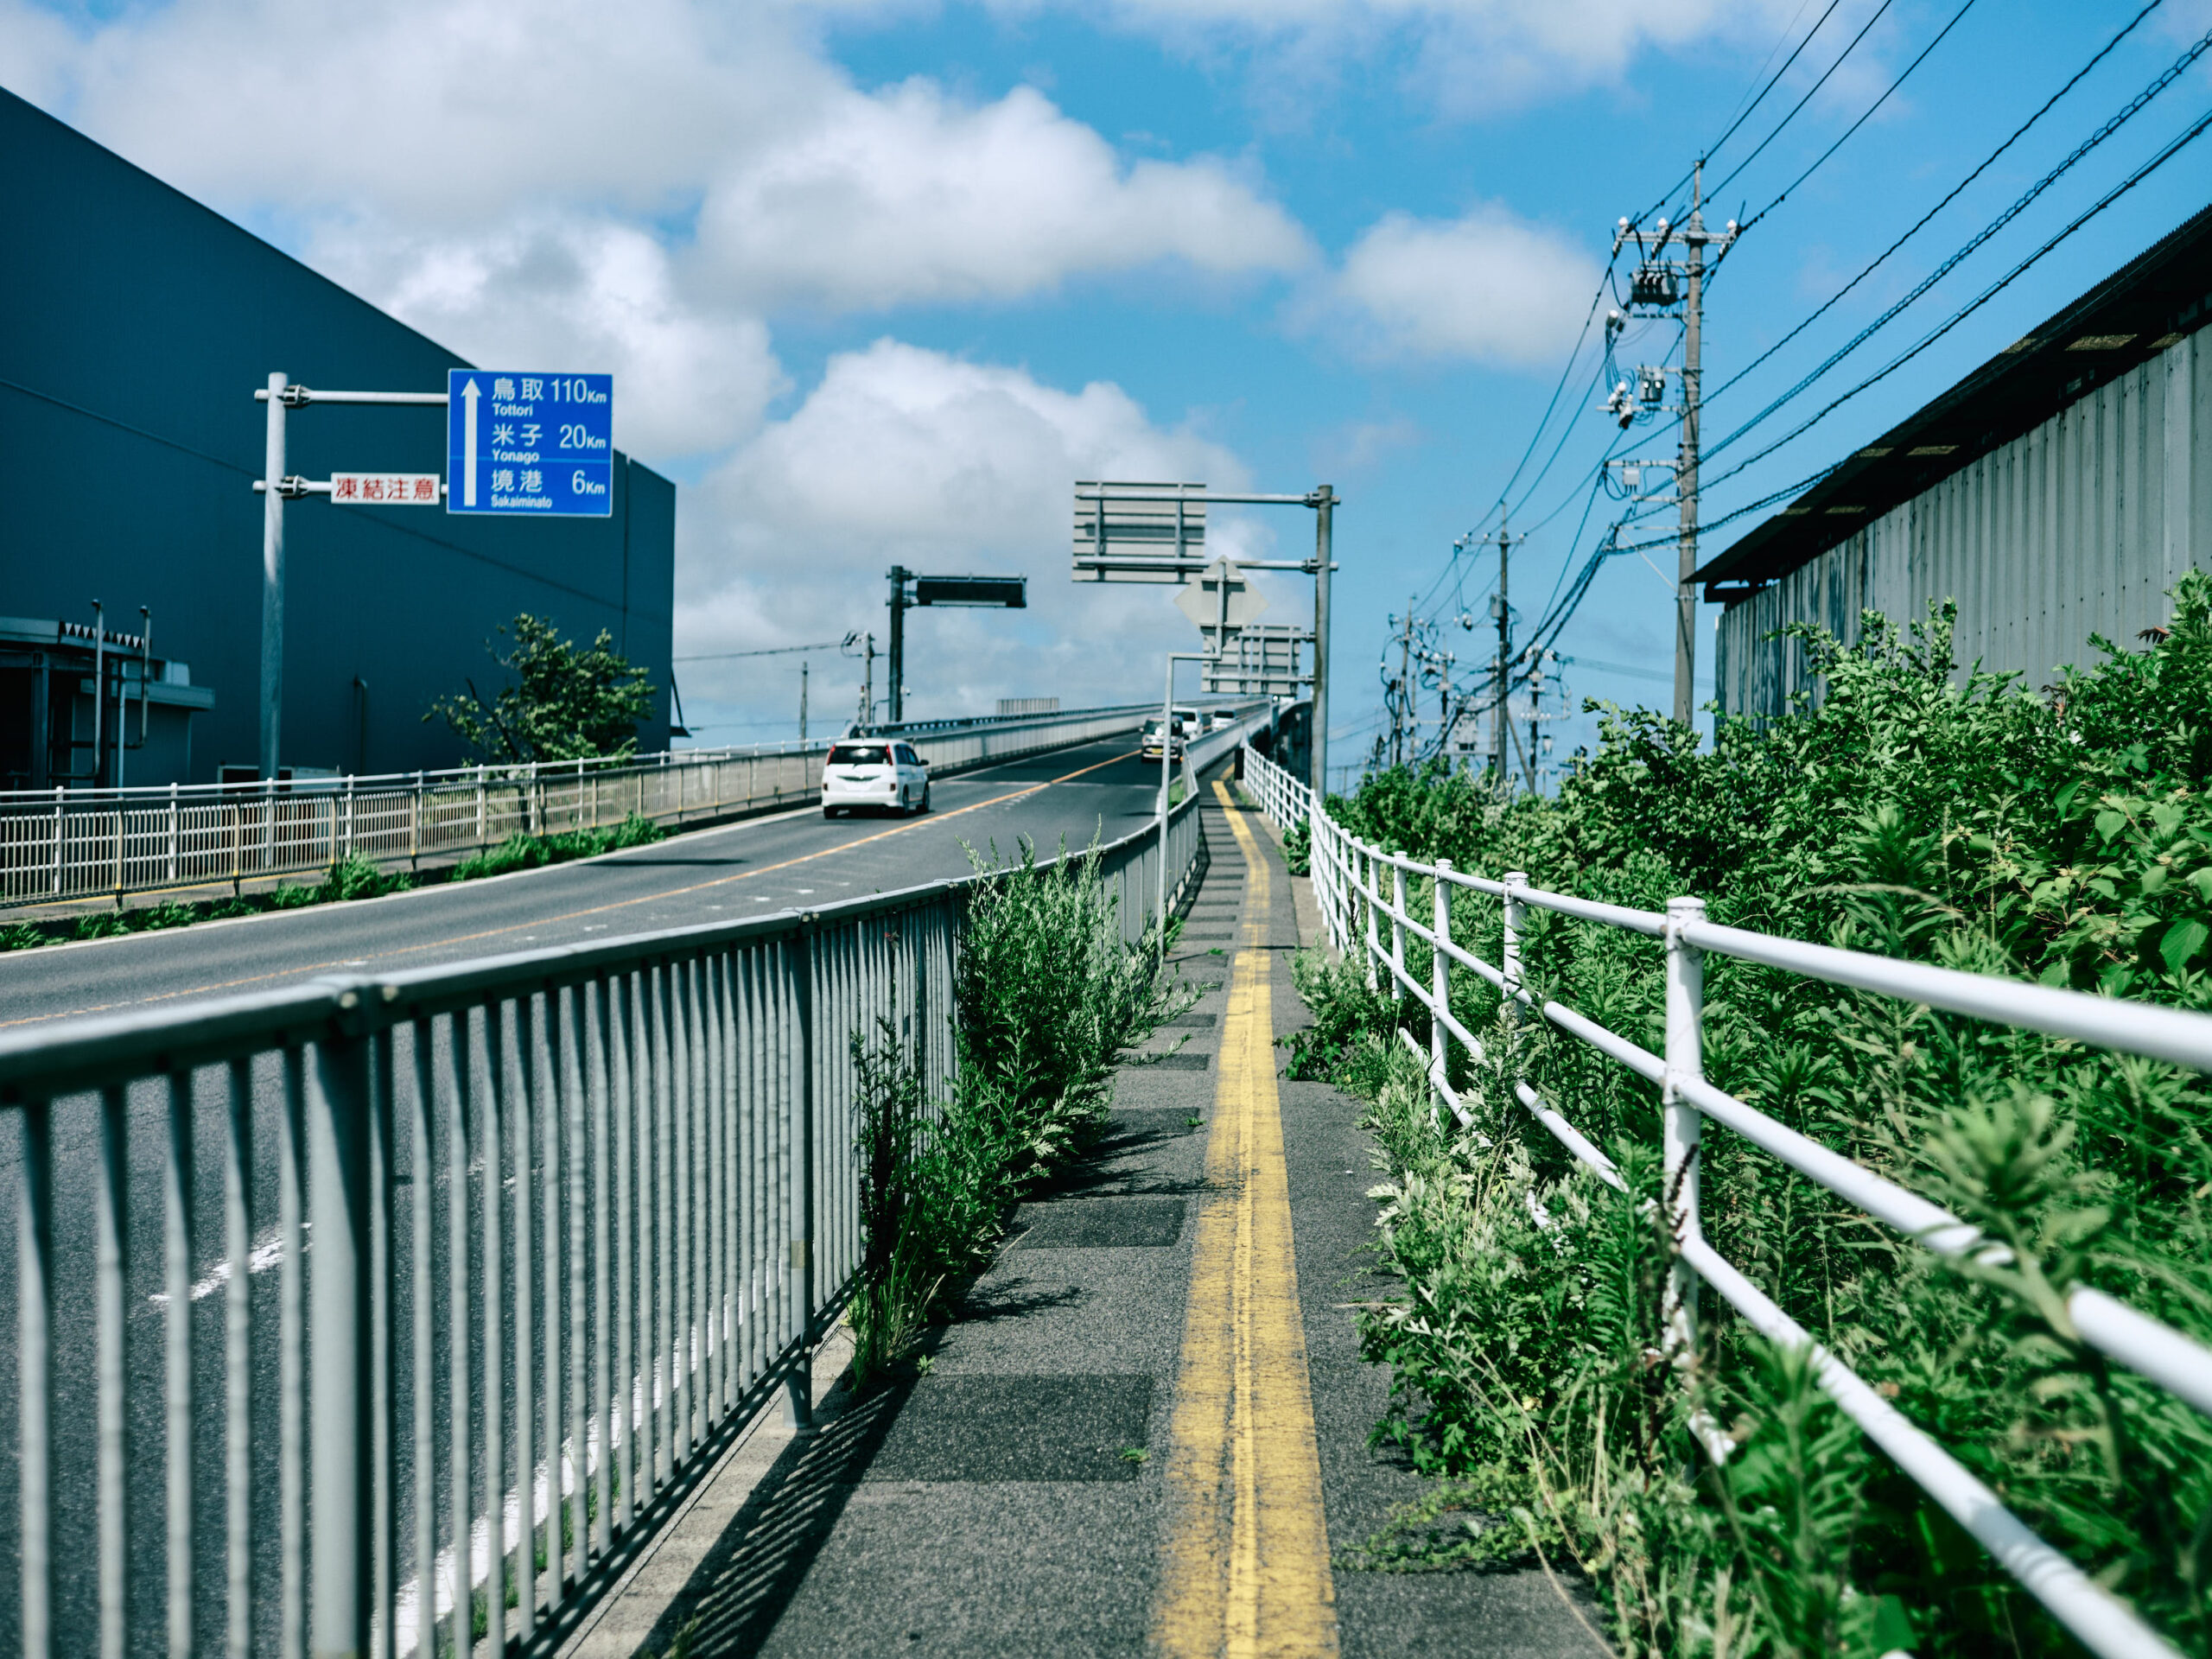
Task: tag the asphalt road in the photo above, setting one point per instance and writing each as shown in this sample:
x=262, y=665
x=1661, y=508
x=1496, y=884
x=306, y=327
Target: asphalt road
x=759, y=866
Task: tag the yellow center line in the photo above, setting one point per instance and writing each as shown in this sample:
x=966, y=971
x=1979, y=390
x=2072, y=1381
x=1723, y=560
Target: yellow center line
x=1247, y=1550
x=565, y=916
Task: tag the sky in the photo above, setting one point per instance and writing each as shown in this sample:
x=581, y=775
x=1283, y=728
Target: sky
x=878, y=282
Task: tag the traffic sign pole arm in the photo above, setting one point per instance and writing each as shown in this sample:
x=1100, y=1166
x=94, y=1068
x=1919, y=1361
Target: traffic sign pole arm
x=300, y=397
x=1206, y=498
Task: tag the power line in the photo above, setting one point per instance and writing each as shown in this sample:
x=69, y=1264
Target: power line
x=1952, y=196
x=771, y=650
x=1976, y=303
x=1810, y=93
x=1744, y=114
x=2019, y=207
x=1956, y=18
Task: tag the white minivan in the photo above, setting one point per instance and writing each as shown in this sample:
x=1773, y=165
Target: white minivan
x=881, y=775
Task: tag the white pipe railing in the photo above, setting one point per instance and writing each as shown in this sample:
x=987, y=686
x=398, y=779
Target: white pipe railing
x=62, y=844
x=1348, y=883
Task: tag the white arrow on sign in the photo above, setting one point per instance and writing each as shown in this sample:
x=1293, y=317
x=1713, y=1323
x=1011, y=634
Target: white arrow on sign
x=1202, y=598
x=469, y=397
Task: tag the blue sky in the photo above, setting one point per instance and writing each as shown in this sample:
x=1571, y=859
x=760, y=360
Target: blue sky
x=880, y=280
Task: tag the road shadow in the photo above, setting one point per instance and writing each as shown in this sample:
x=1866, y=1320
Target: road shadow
x=738, y=1592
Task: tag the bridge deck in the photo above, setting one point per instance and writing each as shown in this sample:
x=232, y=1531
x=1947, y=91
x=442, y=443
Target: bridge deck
x=1148, y=1428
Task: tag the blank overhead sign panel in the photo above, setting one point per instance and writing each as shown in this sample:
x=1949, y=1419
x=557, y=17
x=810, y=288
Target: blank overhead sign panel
x=1139, y=532
x=1219, y=594
x=1009, y=593
x=533, y=445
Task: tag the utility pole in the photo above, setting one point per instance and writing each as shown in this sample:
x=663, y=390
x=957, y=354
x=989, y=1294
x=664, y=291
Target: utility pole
x=867, y=683
x=1535, y=716
x=1499, y=716
x=801, y=699
x=1686, y=474
x=1404, y=700
x=1653, y=288
x=900, y=576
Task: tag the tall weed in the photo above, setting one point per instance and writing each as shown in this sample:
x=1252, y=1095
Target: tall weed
x=1919, y=812
x=1046, y=999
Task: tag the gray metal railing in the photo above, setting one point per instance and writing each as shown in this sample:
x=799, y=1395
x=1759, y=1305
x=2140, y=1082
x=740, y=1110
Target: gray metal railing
x=58, y=845
x=353, y=1313
x=1366, y=921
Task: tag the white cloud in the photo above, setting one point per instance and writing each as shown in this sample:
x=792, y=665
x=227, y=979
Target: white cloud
x=430, y=112
x=1465, y=56
x=595, y=293
x=910, y=195
x=1487, y=288
x=909, y=456
x=471, y=119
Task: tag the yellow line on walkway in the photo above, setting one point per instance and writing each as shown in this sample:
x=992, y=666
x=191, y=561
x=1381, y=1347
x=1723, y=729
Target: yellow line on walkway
x=1247, y=1567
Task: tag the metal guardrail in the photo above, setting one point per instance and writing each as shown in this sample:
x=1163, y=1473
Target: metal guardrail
x=1348, y=876
x=58, y=845
x=347, y=1314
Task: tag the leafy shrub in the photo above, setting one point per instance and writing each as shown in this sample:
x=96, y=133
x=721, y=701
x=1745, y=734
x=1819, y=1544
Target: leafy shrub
x=522, y=852
x=1917, y=812
x=1046, y=999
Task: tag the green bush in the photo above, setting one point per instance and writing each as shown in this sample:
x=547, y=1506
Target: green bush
x=1046, y=999
x=522, y=852
x=1960, y=819
x=352, y=877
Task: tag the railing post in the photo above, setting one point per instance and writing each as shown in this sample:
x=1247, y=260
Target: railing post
x=118, y=856
x=799, y=1385
x=1440, y=977
x=1510, y=951
x=480, y=805
x=175, y=833
x=1685, y=1060
x=415, y=825
x=61, y=835
x=338, y=1107
x=1368, y=884
x=34, y=1288
x=1397, y=932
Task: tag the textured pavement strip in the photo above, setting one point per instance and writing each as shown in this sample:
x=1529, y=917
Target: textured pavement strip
x=992, y=1506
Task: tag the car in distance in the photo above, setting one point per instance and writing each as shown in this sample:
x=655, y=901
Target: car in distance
x=873, y=775
x=1220, y=721
x=1149, y=746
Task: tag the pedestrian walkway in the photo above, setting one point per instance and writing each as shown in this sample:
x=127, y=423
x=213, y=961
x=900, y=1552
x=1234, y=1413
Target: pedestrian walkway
x=1148, y=1429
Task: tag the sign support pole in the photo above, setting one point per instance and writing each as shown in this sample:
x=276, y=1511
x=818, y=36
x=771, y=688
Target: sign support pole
x=272, y=582
x=1166, y=751
x=1325, y=501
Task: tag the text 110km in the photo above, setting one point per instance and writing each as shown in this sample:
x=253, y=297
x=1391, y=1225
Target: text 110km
x=530, y=444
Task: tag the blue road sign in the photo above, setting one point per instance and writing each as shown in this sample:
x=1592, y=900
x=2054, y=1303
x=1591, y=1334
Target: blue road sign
x=530, y=444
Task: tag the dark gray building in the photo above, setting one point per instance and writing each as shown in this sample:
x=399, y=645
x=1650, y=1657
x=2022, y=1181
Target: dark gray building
x=2058, y=490
x=135, y=328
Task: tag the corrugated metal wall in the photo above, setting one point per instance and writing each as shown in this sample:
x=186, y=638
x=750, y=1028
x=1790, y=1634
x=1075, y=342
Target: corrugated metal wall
x=2076, y=528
